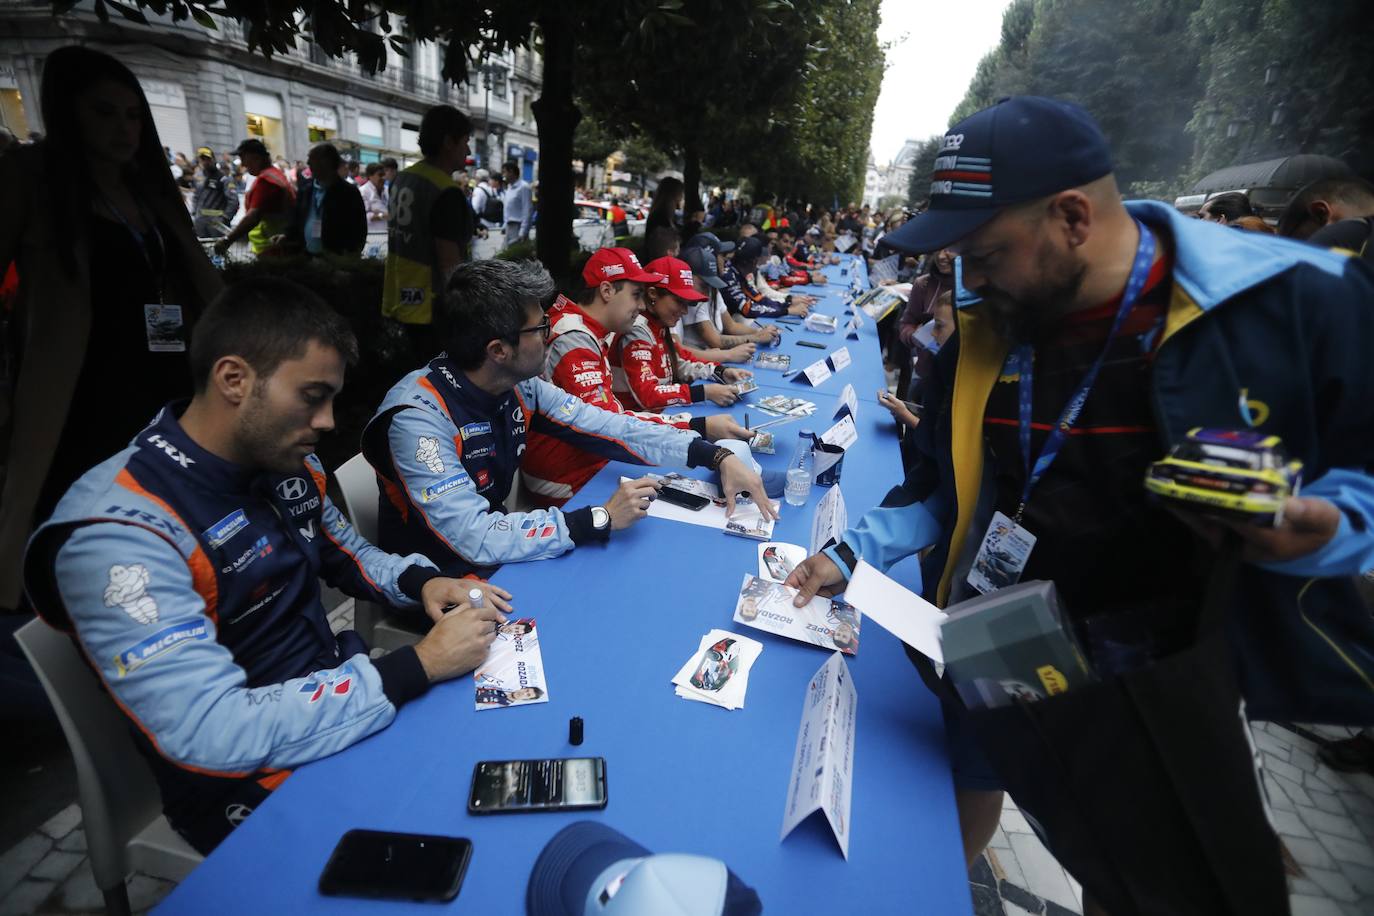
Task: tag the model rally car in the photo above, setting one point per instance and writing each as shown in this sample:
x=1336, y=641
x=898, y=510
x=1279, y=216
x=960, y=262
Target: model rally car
x=1235, y=474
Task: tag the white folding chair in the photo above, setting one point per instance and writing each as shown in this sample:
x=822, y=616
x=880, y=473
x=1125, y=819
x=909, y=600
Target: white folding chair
x=121, y=808
x=375, y=623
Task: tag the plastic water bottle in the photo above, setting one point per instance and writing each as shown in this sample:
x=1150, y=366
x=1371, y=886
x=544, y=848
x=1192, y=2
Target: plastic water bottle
x=800, y=469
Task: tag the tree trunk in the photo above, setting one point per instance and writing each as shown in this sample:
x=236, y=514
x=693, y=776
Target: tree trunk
x=557, y=117
x=691, y=178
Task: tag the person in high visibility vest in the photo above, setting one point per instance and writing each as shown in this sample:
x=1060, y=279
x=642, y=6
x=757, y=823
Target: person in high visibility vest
x=269, y=204
x=620, y=222
x=429, y=226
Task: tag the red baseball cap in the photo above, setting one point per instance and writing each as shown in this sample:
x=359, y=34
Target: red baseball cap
x=612, y=264
x=677, y=278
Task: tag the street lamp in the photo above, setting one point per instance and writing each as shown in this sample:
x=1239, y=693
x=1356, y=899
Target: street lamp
x=492, y=71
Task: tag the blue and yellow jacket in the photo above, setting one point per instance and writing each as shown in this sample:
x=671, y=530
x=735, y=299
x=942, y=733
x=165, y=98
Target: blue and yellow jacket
x=1260, y=332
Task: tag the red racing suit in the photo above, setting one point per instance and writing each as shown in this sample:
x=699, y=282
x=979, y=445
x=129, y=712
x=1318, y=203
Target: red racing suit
x=646, y=375
x=578, y=362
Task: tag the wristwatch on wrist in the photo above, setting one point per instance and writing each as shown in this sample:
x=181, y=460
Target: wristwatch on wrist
x=719, y=457
x=601, y=519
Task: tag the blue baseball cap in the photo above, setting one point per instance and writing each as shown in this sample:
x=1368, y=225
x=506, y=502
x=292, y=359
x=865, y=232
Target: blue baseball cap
x=703, y=264
x=1019, y=149
x=709, y=240
x=589, y=869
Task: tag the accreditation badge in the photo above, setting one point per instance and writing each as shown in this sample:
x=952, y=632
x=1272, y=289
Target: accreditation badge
x=165, y=328
x=1002, y=556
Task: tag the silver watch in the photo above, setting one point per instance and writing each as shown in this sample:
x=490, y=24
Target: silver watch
x=601, y=519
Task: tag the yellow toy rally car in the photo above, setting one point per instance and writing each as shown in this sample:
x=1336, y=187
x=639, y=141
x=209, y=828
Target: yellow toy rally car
x=1240, y=475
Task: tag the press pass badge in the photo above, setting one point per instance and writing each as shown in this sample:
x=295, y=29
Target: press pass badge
x=165, y=328
x=1002, y=556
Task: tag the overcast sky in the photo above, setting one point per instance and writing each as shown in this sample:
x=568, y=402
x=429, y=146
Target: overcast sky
x=928, y=72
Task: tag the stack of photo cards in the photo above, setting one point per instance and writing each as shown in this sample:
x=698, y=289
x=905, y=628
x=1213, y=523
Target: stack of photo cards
x=513, y=672
x=779, y=362
x=748, y=520
x=718, y=672
x=780, y=405
x=767, y=605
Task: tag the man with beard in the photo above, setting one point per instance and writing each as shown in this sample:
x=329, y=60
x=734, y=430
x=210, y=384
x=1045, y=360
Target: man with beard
x=187, y=570
x=1105, y=332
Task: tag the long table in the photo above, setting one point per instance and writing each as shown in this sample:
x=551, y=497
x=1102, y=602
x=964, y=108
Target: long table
x=615, y=624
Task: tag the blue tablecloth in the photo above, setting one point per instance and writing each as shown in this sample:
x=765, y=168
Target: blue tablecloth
x=615, y=624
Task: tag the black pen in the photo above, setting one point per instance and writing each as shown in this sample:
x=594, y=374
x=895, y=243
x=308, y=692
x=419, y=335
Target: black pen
x=807, y=343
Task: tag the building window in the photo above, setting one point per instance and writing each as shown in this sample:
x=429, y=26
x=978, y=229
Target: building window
x=410, y=141
x=321, y=123
x=264, y=115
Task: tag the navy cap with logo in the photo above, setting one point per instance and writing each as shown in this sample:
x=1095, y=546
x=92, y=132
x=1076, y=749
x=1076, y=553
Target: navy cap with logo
x=703, y=264
x=589, y=869
x=750, y=250
x=1017, y=150
x=709, y=240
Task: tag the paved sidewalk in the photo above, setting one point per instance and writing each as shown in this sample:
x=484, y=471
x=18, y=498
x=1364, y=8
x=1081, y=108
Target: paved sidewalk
x=1325, y=819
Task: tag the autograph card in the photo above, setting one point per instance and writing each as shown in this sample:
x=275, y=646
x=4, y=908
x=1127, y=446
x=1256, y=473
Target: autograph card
x=513, y=673
x=766, y=605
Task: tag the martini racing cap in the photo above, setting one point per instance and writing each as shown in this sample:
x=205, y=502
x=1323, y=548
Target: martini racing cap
x=677, y=278
x=1017, y=150
x=612, y=264
x=588, y=869
x=709, y=240
x=703, y=264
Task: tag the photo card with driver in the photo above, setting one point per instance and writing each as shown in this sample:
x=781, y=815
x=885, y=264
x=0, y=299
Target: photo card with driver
x=823, y=622
x=513, y=672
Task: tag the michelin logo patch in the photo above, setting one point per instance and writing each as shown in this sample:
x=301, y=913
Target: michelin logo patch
x=475, y=429
x=128, y=589
x=222, y=530
x=446, y=486
x=427, y=453
x=160, y=643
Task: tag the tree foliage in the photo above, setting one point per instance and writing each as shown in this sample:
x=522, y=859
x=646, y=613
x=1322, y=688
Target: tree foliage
x=921, y=166
x=1178, y=86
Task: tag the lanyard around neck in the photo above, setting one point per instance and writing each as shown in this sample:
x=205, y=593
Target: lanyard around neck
x=1025, y=357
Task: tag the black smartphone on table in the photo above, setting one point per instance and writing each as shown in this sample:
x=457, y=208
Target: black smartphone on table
x=670, y=494
x=397, y=866
x=558, y=784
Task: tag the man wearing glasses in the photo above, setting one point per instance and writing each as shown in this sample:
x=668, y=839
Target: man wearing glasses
x=448, y=438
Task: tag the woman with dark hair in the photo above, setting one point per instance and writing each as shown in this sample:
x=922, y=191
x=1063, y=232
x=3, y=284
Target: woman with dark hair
x=111, y=279
x=668, y=199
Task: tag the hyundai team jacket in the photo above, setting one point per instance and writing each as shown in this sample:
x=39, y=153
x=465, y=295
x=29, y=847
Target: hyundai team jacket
x=446, y=453
x=643, y=371
x=578, y=361
x=742, y=299
x=192, y=587
x=1260, y=332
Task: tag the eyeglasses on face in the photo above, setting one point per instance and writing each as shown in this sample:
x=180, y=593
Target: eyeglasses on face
x=544, y=329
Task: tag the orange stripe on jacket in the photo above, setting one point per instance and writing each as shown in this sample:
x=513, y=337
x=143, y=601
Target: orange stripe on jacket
x=202, y=572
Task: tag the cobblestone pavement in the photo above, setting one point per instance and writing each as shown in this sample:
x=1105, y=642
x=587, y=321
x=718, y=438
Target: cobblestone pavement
x=1325, y=819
